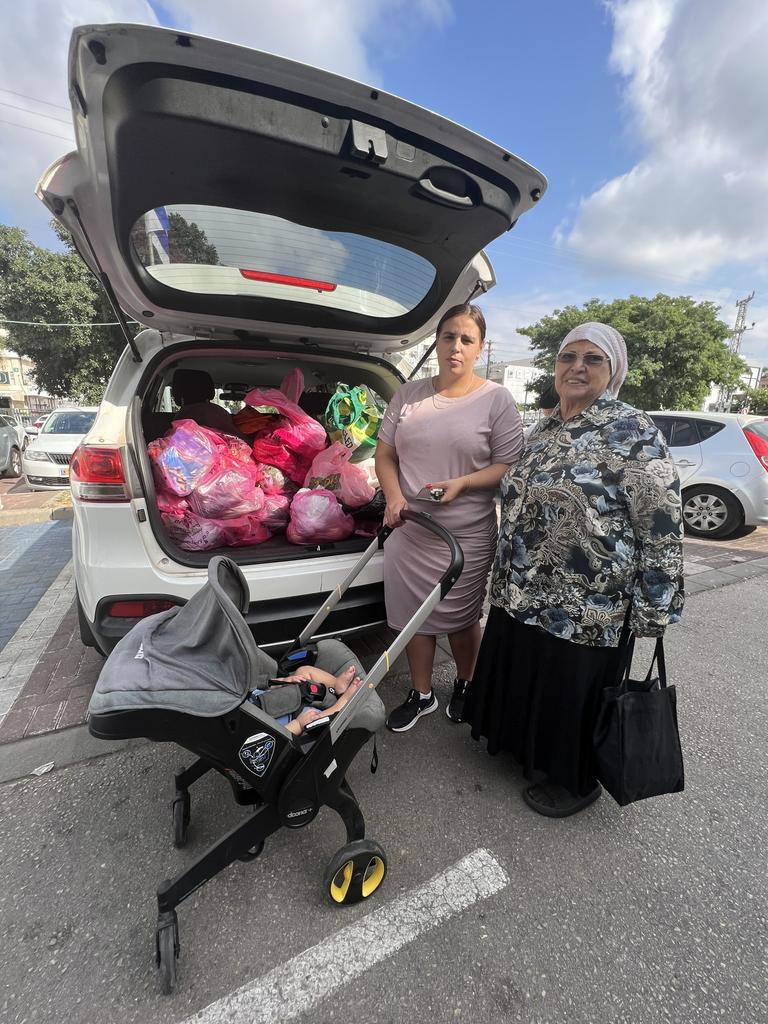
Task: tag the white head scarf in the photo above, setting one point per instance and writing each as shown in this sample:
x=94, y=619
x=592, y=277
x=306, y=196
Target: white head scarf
x=610, y=341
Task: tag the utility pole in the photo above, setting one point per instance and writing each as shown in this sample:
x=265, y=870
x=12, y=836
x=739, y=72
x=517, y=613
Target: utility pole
x=488, y=347
x=739, y=329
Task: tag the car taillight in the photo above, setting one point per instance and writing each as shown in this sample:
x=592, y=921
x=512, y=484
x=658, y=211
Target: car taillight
x=759, y=446
x=139, y=608
x=96, y=474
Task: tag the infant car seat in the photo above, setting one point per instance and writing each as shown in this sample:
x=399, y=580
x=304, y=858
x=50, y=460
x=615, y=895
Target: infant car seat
x=183, y=676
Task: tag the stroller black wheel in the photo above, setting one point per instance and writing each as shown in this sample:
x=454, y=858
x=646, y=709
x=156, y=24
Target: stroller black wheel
x=167, y=951
x=181, y=815
x=253, y=853
x=355, y=872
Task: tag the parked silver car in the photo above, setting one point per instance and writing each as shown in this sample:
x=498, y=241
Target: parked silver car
x=722, y=459
x=11, y=435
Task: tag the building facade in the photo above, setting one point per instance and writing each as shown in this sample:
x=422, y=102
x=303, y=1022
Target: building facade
x=18, y=390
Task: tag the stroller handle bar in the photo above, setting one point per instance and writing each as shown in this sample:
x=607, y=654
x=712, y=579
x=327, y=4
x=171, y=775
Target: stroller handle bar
x=436, y=595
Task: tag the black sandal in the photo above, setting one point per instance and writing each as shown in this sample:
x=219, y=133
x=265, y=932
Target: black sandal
x=556, y=801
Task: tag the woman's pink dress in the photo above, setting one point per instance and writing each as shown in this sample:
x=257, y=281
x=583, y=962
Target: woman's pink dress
x=439, y=438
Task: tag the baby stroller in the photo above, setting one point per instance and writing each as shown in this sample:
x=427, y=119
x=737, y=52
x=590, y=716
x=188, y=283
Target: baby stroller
x=184, y=675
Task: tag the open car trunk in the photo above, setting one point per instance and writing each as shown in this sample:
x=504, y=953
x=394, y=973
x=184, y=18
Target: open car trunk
x=234, y=372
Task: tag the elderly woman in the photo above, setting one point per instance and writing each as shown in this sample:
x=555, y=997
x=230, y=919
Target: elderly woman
x=591, y=530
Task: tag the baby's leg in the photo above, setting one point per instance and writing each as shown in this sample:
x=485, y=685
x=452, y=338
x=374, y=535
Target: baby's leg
x=313, y=674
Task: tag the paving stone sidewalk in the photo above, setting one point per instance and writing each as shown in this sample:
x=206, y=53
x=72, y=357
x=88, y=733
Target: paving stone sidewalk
x=31, y=557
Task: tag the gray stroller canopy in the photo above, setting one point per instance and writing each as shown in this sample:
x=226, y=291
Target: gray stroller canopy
x=200, y=659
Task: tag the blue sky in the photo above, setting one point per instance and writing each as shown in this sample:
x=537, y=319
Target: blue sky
x=647, y=117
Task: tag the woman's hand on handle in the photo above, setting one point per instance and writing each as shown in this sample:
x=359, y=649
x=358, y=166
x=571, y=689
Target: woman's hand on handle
x=392, y=512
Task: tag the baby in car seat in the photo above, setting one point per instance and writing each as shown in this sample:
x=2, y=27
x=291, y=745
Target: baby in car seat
x=305, y=686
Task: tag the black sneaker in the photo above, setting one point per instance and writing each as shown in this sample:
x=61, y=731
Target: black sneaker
x=405, y=717
x=455, y=709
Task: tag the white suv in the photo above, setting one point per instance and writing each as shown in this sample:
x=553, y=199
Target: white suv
x=255, y=215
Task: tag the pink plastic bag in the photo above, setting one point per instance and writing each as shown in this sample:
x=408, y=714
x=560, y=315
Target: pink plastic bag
x=292, y=385
x=316, y=516
x=245, y=530
x=193, y=533
x=182, y=459
x=276, y=512
x=332, y=470
x=171, y=504
x=271, y=479
x=228, y=492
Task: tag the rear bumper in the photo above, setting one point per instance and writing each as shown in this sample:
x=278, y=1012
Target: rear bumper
x=754, y=501
x=274, y=624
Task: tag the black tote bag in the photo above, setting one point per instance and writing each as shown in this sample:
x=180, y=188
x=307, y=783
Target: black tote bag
x=636, y=739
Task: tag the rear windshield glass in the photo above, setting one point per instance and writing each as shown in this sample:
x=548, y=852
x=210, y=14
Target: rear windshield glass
x=216, y=251
x=759, y=427
x=68, y=423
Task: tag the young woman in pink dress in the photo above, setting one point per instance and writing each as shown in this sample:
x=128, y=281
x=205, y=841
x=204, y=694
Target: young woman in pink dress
x=460, y=432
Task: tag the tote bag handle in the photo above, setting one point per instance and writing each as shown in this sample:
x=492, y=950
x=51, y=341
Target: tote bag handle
x=627, y=645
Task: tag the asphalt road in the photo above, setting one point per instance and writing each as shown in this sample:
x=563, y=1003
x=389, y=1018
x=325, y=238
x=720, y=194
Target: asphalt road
x=655, y=912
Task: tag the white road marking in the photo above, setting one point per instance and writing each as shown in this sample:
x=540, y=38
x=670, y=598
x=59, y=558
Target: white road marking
x=295, y=986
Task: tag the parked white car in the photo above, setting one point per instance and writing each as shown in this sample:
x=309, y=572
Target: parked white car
x=256, y=215
x=45, y=460
x=722, y=460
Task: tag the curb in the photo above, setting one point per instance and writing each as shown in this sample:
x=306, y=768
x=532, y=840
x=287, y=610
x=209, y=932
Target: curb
x=66, y=747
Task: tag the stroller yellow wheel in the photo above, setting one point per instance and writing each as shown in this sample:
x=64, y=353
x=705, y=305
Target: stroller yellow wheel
x=355, y=872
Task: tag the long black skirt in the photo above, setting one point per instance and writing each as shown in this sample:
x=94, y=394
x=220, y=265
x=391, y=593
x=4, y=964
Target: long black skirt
x=537, y=697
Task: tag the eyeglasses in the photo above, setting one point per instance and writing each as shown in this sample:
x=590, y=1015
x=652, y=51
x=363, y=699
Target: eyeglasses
x=591, y=359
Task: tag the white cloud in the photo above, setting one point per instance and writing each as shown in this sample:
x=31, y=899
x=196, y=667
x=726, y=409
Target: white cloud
x=335, y=34
x=696, y=95
x=33, y=62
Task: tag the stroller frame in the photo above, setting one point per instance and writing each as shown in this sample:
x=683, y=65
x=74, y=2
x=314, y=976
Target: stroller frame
x=302, y=774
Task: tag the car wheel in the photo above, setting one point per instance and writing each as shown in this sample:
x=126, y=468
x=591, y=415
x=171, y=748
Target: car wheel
x=14, y=465
x=711, y=512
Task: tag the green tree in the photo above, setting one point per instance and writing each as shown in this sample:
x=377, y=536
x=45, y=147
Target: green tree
x=47, y=287
x=757, y=400
x=187, y=243
x=675, y=347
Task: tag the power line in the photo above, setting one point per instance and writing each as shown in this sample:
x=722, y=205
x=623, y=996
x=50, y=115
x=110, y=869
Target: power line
x=39, y=131
x=34, y=113
x=34, y=99
x=36, y=323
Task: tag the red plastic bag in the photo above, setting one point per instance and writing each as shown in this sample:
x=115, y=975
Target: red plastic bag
x=316, y=516
x=274, y=453
x=228, y=492
x=332, y=470
x=301, y=434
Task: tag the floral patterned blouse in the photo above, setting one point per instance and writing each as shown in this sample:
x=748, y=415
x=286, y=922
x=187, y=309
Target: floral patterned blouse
x=591, y=514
